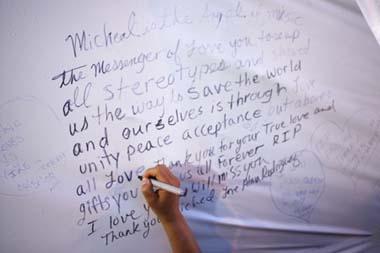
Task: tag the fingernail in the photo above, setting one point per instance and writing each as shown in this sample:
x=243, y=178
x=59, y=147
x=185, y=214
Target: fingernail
x=144, y=181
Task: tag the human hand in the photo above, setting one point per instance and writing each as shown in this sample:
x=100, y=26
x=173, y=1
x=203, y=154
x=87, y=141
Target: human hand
x=165, y=204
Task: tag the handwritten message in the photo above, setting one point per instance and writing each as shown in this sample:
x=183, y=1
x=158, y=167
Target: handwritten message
x=225, y=113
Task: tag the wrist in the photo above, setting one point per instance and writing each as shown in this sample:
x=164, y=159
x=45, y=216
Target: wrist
x=173, y=217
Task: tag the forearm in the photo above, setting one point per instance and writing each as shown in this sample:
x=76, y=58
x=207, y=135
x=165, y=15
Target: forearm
x=180, y=236
x=165, y=206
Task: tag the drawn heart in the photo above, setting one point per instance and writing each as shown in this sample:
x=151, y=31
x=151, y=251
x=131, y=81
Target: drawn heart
x=349, y=147
x=297, y=190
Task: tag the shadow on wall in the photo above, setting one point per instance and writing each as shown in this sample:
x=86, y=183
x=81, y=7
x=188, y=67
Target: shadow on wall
x=201, y=205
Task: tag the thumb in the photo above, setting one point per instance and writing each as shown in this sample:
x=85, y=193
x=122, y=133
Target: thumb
x=147, y=190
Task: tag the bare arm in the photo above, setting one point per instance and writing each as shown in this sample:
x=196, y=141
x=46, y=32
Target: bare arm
x=166, y=207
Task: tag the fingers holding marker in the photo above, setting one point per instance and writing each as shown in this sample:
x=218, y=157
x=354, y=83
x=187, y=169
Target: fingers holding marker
x=163, y=174
x=164, y=203
x=147, y=190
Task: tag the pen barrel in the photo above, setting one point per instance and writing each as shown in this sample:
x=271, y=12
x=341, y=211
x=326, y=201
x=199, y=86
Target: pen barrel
x=167, y=187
